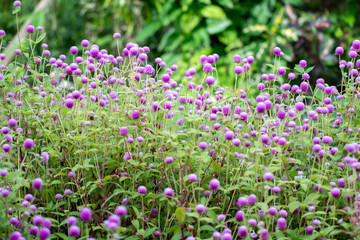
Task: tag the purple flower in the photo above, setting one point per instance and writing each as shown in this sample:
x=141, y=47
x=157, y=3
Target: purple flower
x=309, y=229
x=116, y=35
x=277, y=50
x=214, y=184
x=69, y=103
x=85, y=214
x=202, y=145
x=192, y=177
x=200, y=208
x=74, y=231
x=169, y=192
x=124, y=131
x=12, y=122
x=37, y=183
x=28, y=143
x=135, y=114
x=268, y=176
x=335, y=192
x=281, y=224
x=30, y=29
x=142, y=190
x=71, y=220
x=44, y=233
x=17, y=3
x=229, y=135
x=6, y=148
x=121, y=210
x=281, y=71
x=240, y=215
x=243, y=232
x=339, y=50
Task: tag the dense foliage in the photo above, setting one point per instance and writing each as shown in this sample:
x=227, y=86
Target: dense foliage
x=100, y=144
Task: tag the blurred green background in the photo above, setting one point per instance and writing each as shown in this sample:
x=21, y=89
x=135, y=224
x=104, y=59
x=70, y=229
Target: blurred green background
x=180, y=31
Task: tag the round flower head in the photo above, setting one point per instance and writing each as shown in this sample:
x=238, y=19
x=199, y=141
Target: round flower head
x=85, y=214
x=192, y=177
x=15, y=235
x=260, y=107
x=243, y=232
x=74, y=231
x=124, y=131
x=69, y=103
x=44, y=233
x=37, y=183
x=71, y=220
x=135, y=114
x=203, y=145
x=309, y=229
x=229, y=135
x=12, y=123
x=28, y=143
x=277, y=50
x=200, y=208
x=116, y=35
x=142, y=190
x=30, y=29
x=121, y=210
x=281, y=224
x=169, y=192
x=6, y=148
x=214, y=184
x=281, y=71
x=268, y=176
x=339, y=50
x=74, y=50
x=335, y=192
x=264, y=234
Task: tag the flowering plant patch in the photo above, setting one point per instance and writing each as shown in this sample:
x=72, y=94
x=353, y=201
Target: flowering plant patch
x=98, y=145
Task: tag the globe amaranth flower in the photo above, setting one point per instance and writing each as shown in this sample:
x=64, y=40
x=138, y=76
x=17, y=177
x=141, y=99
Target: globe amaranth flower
x=28, y=143
x=281, y=224
x=124, y=131
x=214, y=184
x=335, y=192
x=30, y=29
x=74, y=231
x=142, y=189
x=202, y=145
x=37, y=183
x=200, y=208
x=192, y=177
x=44, y=233
x=85, y=214
x=169, y=192
x=121, y=210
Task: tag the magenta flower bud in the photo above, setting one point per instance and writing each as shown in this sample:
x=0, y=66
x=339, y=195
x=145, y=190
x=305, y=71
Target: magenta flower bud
x=214, y=184
x=69, y=103
x=116, y=35
x=352, y=54
x=277, y=50
x=124, y=131
x=242, y=201
x=272, y=211
x=169, y=192
x=335, y=192
x=135, y=114
x=203, y=145
x=268, y=176
x=74, y=231
x=74, y=50
x=85, y=43
x=44, y=233
x=192, y=177
x=261, y=107
x=71, y=220
x=6, y=148
x=229, y=135
x=121, y=210
x=281, y=71
x=37, y=183
x=339, y=50
x=200, y=208
x=30, y=29
x=142, y=190
x=34, y=230
x=28, y=143
x=309, y=229
x=243, y=232
x=85, y=214
x=281, y=224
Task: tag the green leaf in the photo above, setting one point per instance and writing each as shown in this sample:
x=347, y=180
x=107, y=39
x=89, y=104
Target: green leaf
x=41, y=37
x=212, y=11
x=16, y=10
x=136, y=224
x=188, y=22
x=299, y=69
x=61, y=235
x=293, y=206
x=148, y=30
x=216, y=166
x=180, y=214
x=309, y=69
x=226, y=3
x=149, y=231
x=214, y=26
